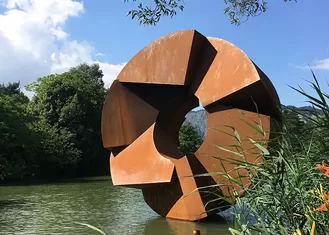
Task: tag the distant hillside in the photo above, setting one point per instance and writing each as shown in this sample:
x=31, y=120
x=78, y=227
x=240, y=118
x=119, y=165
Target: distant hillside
x=198, y=119
x=309, y=110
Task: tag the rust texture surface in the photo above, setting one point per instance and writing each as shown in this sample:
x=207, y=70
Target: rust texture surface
x=146, y=106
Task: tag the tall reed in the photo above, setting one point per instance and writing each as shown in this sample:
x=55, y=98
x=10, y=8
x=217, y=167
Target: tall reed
x=288, y=193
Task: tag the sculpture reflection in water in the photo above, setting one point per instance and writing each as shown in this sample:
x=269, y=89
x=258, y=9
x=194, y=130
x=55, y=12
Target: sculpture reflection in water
x=146, y=106
x=215, y=225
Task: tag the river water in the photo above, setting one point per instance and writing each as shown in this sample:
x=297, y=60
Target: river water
x=54, y=209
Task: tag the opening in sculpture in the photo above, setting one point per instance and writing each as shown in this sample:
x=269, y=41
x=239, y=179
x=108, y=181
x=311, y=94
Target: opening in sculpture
x=192, y=131
x=146, y=106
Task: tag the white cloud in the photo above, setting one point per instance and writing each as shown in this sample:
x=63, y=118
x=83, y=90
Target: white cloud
x=33, y=42
x=99, y=54
x=321, y=64
x=69, y=55
x=317, y=65
x=110, y=72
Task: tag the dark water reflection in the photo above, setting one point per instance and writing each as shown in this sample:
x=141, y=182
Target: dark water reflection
x=53, y=209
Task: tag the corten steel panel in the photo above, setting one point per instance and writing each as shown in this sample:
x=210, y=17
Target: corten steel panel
x=217, y=135
x=167, y=60
x=147, y=104
x=146, y=164
x=122, y=119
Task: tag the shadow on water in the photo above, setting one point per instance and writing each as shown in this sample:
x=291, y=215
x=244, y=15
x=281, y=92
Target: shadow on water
x=61, y=181
x=11, y=203
x=161, y=226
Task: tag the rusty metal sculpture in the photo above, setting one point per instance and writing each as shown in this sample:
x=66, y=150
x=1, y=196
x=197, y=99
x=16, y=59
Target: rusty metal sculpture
x=147, y=104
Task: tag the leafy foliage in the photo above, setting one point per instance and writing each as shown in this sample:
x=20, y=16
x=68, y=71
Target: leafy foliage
x=57, y=155
x=189, y=139
x=240, y=10
x=237, y=10
x=151, y=15
x=57, y=133
x=16, y=141
x=72, y=102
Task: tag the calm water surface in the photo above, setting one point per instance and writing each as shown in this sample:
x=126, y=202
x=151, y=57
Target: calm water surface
x=53, y=209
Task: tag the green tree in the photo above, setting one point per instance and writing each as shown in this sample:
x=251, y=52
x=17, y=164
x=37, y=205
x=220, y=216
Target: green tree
x=16, y=141
x=237, y=10
x=56, y=155
x=72, y=103
x=189, y=139
x=29, y=147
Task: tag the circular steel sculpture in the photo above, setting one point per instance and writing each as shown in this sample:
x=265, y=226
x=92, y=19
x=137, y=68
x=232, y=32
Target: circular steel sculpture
x=146, y=106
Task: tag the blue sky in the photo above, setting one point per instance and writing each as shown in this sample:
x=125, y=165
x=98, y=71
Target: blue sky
x=281, y=41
